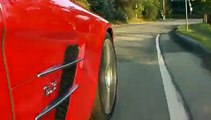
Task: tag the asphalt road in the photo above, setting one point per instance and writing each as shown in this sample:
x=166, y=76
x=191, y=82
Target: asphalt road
x=141, y=93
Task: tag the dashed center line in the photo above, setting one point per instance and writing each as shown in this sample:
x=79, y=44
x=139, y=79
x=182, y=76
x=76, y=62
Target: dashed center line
x=175, y=104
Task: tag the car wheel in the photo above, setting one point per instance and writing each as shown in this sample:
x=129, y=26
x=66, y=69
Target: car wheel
x=107, y=83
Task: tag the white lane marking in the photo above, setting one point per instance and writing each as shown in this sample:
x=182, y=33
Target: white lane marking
x=175, y=104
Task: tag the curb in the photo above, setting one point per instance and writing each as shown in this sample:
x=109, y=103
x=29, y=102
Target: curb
x=191, y=44
x=195, y=47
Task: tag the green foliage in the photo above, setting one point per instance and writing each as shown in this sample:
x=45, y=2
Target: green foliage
x=139, y=10
x=169, y=10
x=201, y=6
x=207, y=6
x=119, y=17
x=106, y=8
x=131, y=8
x=200, y=32
x=123, y=10
x=151, y=10
x=83, y=3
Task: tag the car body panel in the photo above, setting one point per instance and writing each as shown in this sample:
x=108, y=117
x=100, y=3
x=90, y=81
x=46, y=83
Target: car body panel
x=37, y=35
x=5, y=106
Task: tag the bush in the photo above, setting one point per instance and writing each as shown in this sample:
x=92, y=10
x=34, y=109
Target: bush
x=119, y=17
x=106, y=9
x=83, y=3
x=150, y=11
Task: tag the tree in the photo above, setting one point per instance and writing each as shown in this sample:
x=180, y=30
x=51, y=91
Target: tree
x=207, y=6
x=106, y=8
x=207, y=11
x=202, y=6
x=84, y=3
x=166, y=8
x=152, y=9
x=131, y=8
x=121, y=10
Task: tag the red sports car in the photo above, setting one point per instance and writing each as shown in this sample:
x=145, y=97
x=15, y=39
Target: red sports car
x=57, y=62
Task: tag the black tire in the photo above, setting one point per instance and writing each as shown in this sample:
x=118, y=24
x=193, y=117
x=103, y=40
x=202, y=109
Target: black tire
x=99, y=110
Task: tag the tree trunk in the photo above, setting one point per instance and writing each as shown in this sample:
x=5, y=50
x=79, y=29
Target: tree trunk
x=209, y=19
x=205, y=18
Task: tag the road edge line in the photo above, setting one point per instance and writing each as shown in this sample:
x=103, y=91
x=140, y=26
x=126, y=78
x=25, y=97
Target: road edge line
x=176, y=108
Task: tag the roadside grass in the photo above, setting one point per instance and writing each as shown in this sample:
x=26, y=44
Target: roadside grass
x=200, y=32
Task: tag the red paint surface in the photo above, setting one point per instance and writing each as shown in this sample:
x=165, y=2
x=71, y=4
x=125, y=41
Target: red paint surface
x=37, y=35
x=5, y=106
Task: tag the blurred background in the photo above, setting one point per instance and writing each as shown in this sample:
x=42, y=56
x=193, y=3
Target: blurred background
x=126, y=11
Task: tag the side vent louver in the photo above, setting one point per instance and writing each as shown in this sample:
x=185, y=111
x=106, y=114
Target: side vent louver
x=67, y=78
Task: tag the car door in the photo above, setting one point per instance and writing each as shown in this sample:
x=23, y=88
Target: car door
x=37, y=35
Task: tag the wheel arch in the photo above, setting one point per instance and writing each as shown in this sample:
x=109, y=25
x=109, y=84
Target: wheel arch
x=110, y=32
x=86, y=77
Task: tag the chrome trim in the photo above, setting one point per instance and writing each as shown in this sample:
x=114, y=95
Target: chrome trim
x=57, y=102
x=48, y=71
x=49, y=89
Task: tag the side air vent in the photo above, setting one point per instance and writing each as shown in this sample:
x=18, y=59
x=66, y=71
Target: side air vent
x=67, y=80
x=66, y=86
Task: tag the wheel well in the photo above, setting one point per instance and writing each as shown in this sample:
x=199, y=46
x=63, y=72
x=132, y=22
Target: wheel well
x=110, y=31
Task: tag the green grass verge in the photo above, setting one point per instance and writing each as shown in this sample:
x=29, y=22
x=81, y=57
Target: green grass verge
x=200, y=32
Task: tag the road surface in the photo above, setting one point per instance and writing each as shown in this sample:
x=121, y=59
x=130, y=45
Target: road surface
x=171, y=85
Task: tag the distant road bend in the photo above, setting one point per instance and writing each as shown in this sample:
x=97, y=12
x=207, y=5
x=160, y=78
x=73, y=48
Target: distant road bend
x=158, y=79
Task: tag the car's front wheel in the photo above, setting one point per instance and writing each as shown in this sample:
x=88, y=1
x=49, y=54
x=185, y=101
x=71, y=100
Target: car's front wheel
x=107, y=83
